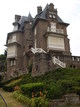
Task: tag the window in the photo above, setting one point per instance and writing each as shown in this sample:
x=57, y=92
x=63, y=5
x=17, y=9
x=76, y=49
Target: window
x=35, y=31
x=54, y=16
x=72, y=58
x=78, y=59
x=50, y=16
x=13, y=62
x=30, y=23
x=53, y=27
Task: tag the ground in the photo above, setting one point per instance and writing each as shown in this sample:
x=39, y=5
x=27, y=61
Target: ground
x=10, y=100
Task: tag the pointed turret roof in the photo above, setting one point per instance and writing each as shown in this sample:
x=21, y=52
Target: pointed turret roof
x=30, y=18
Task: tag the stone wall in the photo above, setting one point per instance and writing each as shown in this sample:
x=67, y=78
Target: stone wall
x=69, y=99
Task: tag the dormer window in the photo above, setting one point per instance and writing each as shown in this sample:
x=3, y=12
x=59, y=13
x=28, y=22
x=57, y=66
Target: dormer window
x=30, y=23
x=50, y=15
x=54, y=16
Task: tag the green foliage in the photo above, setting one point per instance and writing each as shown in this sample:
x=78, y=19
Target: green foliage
x=20, y=97
x=2, y=57
x=30, y=68
x=67, y=85
x=1, y=77
x=8, y=81
x=31, y=102
x=56, y=83
x=54, y=91
x=77, y=89
x=10, y=87
x=3, y=63
x=39, y=102
x=32, y=87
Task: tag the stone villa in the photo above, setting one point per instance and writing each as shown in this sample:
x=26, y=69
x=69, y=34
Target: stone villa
x=41, y=43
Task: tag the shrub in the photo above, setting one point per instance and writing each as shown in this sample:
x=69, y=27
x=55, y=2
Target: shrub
x=8, y=81
x=67, y=85
x=32, y=87
x=54, y=91
x=10, y=87
x=77, y=90
x=1, y=77
x=20, y=97
x=39, y=102
x=33, y=102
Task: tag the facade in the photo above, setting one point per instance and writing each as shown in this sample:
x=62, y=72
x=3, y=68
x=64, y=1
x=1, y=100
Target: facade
x=40, y=43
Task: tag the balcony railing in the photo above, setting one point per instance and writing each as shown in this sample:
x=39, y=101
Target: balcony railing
x=60, y=31
x=11, y=55
x=58, y=62
x=69, y=58
x=12, y=41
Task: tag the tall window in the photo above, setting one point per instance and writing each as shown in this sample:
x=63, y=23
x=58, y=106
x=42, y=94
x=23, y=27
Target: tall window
x=13, y=62
x=53, y=27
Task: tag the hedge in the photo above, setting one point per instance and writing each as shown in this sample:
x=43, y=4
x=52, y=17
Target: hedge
x=32, y=87
x=8, y=81
x=10, y=87
x=31, y=102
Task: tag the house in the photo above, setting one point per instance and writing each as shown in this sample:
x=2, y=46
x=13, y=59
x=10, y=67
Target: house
x=41, y=43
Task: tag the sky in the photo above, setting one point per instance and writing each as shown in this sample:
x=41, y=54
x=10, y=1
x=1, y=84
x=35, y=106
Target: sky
x=68, y=10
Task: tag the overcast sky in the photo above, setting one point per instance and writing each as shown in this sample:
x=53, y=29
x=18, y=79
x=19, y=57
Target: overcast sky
x=68, y=10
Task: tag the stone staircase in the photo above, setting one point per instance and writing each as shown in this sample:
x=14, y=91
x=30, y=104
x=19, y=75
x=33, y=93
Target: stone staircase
x=58, y=62
x=37, y=50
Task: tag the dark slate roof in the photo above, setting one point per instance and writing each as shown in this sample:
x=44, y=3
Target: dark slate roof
x=59, y=19
x=21, y=21
x=24, y=19
x=29, y=18
x=43, y=15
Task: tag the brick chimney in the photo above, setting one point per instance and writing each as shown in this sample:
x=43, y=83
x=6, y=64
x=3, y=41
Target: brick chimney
x=39, y=9
x=17, y=18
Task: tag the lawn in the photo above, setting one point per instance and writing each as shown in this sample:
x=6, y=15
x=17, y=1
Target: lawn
x=11, y=102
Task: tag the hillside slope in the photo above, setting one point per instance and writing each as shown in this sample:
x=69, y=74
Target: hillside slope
x=57, y=82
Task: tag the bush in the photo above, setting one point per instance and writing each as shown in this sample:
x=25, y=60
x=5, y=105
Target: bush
x=1, y=77
x=67, y=85
x=33, y=102
x=8, y=81
x=77, y=90
x=10, y=87
x=32, y=87
x=20, y=97
x=54, y=91
x=39, y=102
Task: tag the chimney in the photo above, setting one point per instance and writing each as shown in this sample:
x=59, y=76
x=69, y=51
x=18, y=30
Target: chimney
x=17, y=18
x=39, y=9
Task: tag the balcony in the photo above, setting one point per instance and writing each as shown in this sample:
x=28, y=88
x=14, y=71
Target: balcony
x=12, y=41
x=12, y=51
x=54, y=30
x=12, y=55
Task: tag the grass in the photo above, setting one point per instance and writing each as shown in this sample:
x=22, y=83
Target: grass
x=11, y=102
x=57, y=83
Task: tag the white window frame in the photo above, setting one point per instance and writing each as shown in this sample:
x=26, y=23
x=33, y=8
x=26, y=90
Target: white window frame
x=53, y=26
